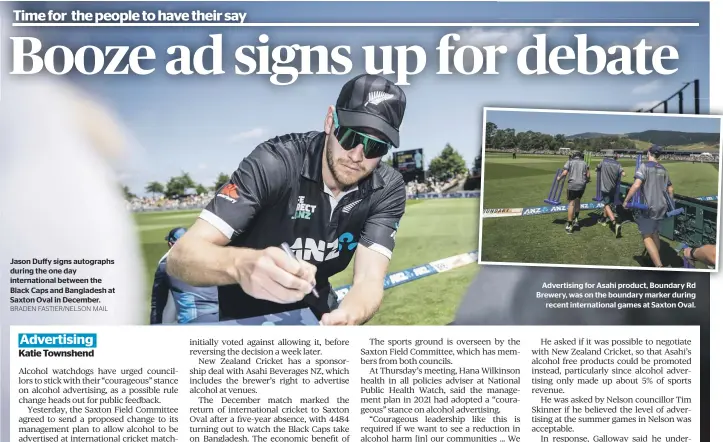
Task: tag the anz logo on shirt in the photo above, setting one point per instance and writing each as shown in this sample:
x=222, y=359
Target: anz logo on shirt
x=312, y=250
x=303, y=210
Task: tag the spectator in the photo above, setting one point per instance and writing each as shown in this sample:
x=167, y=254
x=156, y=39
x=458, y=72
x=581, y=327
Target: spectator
x=189, y=304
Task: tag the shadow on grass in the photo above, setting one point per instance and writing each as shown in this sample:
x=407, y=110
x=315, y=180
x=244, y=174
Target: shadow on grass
x=668, y=256
x=589, y=221
x=643, y=260
x=585, y=221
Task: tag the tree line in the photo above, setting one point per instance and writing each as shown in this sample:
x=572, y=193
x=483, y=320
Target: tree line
x=448, y=164
x=496, y=138
x=178, y=186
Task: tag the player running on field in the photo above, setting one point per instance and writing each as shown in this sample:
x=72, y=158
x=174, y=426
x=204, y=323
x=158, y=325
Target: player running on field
x=611, y=172
x=578, y=175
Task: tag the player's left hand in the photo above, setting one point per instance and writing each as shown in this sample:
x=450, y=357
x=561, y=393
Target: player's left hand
x=337, y=317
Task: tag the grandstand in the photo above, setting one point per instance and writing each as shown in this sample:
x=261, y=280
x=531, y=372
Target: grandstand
x=679, y=95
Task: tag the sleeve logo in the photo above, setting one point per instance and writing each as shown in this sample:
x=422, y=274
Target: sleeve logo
x=229, y=192
x=393, y=235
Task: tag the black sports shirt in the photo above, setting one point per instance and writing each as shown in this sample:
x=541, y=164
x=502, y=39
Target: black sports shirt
x=277, y=195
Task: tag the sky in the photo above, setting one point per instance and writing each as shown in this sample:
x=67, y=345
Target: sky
x=576, y=123
x=205, y=125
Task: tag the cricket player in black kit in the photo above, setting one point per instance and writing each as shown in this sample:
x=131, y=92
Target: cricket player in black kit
x=327, y=194
x=578, y=176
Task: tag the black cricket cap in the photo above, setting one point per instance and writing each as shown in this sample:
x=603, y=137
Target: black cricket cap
x=655, y=149
x=373, y=102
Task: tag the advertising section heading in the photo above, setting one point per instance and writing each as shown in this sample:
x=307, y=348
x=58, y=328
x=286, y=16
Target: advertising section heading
x=285, y=63
x=57, y=340
x=36, y=345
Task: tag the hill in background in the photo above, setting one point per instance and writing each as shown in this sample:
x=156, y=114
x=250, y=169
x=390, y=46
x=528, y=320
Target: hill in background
x=588, y=135
x=668, y=138
x=671, y=138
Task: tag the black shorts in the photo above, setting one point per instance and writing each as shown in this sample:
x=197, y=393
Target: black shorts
x=574, y=194
x=608, y=198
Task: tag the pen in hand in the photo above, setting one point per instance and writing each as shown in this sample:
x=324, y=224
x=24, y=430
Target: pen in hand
x=292, y=255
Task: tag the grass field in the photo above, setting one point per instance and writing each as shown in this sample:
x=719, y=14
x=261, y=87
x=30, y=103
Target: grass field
x=430, y=230
x=526, y=181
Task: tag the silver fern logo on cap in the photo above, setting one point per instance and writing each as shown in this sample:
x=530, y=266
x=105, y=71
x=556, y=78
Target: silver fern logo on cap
x=377, y=97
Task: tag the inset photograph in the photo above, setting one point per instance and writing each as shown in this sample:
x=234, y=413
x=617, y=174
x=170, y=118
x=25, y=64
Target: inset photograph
x=600, y=189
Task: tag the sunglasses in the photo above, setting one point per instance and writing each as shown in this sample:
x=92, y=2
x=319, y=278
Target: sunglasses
x=349, y=139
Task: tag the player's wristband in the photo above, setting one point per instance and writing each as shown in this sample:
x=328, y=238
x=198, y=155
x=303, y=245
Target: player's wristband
x=692, y=253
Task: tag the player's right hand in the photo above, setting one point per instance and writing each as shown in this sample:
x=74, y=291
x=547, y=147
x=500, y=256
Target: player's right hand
x=272, y=275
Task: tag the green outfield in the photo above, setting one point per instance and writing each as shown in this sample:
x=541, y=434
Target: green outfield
x=526, y=181
x=430, y=230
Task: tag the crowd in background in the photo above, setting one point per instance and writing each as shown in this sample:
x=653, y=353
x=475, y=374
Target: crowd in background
x=160, y=203
x=432, y=185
